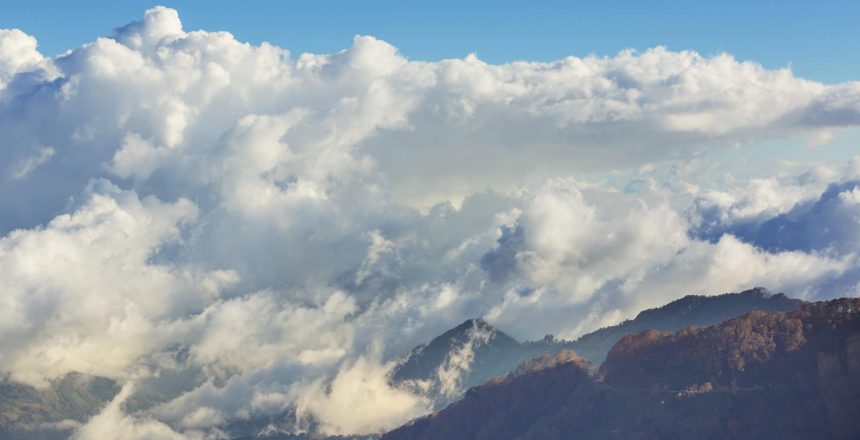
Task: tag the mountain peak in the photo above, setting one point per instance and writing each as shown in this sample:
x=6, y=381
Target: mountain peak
x=471, y=329
x=472, y=323
x=757, y=291
x=545, y=361
x=474, y=346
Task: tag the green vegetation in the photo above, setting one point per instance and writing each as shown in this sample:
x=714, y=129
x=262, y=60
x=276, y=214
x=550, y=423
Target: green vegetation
x=75, y=397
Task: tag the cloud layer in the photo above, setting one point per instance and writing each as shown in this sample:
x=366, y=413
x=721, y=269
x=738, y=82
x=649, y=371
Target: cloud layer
x=281, y=226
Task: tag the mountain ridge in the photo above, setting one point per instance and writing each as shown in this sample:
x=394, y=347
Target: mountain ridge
x=791, y=375
x=498, y=354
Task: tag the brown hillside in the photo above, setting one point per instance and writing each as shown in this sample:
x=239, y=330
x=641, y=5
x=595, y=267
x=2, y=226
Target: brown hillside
x=789, y=375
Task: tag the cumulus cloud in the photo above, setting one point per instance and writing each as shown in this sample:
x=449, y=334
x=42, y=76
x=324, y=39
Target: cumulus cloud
x=607, y=255
x=277, y=228
x=19, y=55
x=422, y=126
x=359, y=400
x=254, y=331
x=827, y=223
x=82, y=293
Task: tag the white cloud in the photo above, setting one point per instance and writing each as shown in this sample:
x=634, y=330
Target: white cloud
x=602, y=256
x=112, y=422
x=458, y=362
x=359, y=400
x=82, y=293
x=18, y=55
x=276, y=215
x=257, y=331
x=25, y=167
x=159, y=25
x=580, y=245
x=813, y=212
x=137, y=158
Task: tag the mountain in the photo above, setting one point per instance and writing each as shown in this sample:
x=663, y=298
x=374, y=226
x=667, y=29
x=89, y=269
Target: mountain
x=472, y=339
x=474, y=351
x=30, y=413
x=467, y=355
x=793, y=375
x=698, y=310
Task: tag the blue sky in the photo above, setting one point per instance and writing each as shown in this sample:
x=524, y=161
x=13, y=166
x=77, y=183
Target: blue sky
x=818, y=39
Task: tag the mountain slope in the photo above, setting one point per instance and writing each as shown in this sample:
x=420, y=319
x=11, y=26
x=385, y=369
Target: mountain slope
x=690, y=310
x=475, y=352
x=781, y=375
x=473, y=338
x=30, y=413
x=51, y=413
x=470, y=353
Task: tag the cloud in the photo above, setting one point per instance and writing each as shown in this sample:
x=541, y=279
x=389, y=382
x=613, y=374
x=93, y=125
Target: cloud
x=159, y=25
x=602, y=255
x=433, y=131
x=82, y=293
x=772, y=212
x=278, y=227
x=458, y=362
x=828, y=223
x=18, y=55
x=359, y=400
x=253, y=332
x=112, y=422
x=25, y=167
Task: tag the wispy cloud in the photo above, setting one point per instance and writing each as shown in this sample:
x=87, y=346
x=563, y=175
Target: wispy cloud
x=23, y=168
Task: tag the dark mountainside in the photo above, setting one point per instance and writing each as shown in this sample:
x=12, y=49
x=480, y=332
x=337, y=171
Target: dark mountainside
x=424, y=360
x=792, y=375
x=497, y=353
x=470, y=353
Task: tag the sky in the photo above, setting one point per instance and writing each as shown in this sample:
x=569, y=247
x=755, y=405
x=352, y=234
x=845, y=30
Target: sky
x=814, y=38
x=269, y=205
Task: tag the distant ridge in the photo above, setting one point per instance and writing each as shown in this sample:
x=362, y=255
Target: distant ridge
x=698, y=310
x=793, y=375
x=483, y=352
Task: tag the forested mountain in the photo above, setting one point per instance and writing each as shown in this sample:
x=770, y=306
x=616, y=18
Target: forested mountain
x=792, y=375
x=474, y=351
